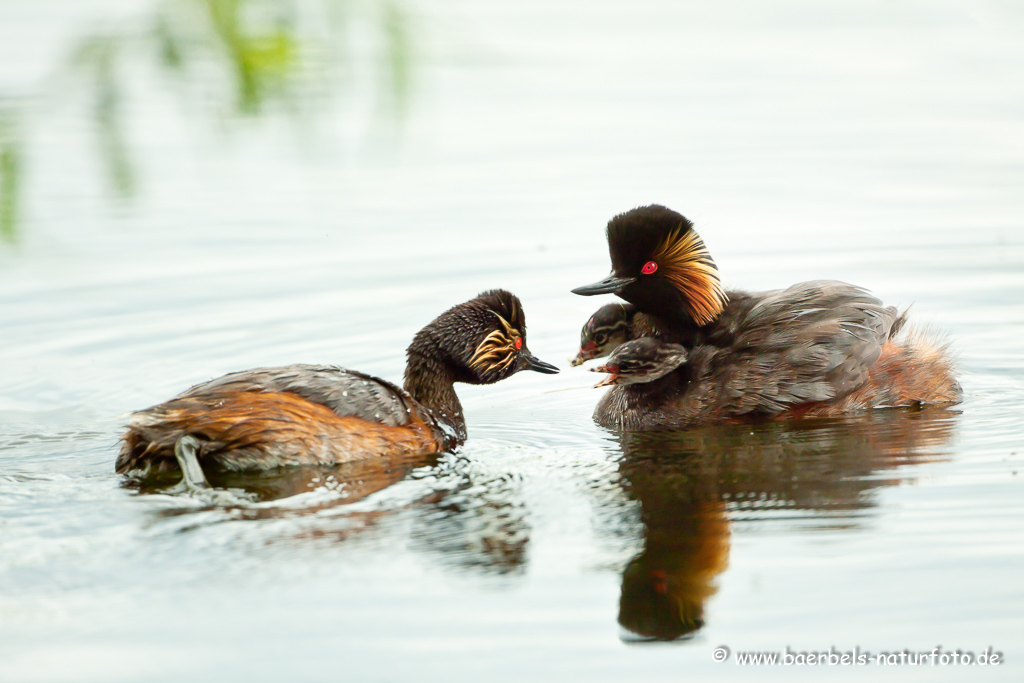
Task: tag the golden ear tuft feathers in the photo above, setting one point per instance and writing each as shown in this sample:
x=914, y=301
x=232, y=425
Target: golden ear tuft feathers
x=497, y=350
x=683, y=259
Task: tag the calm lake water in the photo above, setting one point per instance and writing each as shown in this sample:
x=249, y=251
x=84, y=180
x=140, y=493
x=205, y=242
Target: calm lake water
x=170, y=230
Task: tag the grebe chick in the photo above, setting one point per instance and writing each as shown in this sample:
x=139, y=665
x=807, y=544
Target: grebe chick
x=817, y=341
x=640, y=361
x=604, y=331
x=307, y=414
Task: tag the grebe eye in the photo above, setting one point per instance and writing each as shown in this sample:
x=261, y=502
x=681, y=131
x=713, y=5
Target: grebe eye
x=649, y=268
x=519, y=343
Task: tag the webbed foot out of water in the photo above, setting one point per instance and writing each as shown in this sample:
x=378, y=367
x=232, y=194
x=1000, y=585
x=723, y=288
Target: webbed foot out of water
x=193, y=482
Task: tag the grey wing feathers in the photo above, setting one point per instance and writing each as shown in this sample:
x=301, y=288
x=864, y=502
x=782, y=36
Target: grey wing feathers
x=816, y=339
x=346, y=392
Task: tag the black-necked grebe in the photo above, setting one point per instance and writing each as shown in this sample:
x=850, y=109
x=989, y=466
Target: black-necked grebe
x=816, y=348
x=308, y=414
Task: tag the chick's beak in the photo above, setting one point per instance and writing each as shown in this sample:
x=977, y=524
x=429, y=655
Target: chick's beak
x=610, y=285
x=613, y=375
x=585, y=353
x=531, y=362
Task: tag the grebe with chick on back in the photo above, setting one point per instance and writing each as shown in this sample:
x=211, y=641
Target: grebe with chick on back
x=815, y=348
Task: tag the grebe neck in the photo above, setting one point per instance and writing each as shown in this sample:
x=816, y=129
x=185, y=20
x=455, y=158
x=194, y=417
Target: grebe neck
x=432, y=383
x=679, y=330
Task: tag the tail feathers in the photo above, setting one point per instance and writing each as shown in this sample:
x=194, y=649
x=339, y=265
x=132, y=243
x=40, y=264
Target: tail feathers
x=899, y=322
x=144, y=455
x=917, y=367
x=148, y=444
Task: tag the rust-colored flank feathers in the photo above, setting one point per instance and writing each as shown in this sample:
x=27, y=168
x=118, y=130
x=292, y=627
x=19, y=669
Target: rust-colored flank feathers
x=683, y=259
x=913, y=370
x=265, y=429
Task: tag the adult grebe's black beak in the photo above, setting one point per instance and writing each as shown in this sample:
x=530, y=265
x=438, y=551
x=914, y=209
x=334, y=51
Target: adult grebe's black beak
x=610, y=285
x=531, y=362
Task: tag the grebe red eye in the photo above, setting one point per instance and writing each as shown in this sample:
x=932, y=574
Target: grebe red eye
x=519, y=343
x=649, y=268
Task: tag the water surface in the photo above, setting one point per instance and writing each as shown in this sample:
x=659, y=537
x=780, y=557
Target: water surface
x=877, y=143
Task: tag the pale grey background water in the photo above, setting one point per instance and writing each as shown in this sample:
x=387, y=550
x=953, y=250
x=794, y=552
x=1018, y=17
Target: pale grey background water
x=875, y=142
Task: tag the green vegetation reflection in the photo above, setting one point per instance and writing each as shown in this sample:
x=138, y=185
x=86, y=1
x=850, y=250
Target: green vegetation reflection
x=236, y=59
x=10, y=174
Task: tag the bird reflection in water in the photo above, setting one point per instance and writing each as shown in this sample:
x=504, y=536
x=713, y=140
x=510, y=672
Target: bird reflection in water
x=353, y=481
x=482, y=526
x=464, y=518
x=665, y=587
x=313, y=497
x=689, y=486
